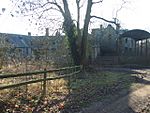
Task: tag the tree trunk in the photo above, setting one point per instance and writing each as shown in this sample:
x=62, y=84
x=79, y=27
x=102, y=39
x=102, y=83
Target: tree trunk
x=85, y=34
x=70, y=30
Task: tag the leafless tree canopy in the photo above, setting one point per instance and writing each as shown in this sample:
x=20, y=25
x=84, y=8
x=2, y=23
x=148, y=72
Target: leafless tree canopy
x=63, y=13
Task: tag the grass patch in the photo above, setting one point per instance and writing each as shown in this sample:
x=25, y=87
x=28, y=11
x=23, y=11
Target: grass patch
x=101, y=79
x=95, y=87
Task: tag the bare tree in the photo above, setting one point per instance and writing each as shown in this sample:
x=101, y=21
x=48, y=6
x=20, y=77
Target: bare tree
x=43, y=8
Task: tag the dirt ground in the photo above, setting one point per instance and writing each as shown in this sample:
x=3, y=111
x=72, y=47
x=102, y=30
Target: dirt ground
x=130, y=100
x=133, y=101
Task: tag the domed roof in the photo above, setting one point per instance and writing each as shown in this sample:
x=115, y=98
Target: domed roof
x=136, y=34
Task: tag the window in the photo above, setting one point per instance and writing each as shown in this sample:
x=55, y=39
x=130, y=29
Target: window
x=54, y=43
x=53, y=49
x=126, y=49
x=109, y=36
x=126, y=40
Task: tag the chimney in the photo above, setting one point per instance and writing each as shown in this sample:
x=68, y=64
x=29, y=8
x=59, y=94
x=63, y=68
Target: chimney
x=47, y=32
x=29, y=33
x=101, y=27
x=117, y=28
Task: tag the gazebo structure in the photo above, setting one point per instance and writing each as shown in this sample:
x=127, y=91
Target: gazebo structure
x=140, y=38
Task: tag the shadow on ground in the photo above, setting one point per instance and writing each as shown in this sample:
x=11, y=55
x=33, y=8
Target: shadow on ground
x=109, y=91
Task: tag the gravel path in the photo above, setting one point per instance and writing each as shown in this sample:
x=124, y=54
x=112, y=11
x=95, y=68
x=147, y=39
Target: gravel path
x=130, y=102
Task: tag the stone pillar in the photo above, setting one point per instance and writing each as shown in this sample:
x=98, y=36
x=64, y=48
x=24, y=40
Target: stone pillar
x=141, y=51
x=118, y=46
x=138, y=47
x=96, y=52
x=135, y=48
x=146, y=50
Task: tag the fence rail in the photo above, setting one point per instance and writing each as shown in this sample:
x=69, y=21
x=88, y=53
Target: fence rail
x=74, y=69
x=38, y=72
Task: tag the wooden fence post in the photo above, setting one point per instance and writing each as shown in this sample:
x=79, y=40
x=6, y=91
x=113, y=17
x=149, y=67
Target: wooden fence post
x=69, y=80
x=69, y=85
x=75, y=77
x=44, y=83
x=26, y=77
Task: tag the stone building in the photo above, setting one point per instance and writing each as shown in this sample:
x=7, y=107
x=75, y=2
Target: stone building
x=106, y=42
x=46, y=47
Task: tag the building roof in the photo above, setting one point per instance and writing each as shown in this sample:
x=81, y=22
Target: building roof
x=25, y=41
x=20, y=41
x=136, y=34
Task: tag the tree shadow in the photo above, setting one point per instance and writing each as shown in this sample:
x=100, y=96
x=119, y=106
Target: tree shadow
x=107, y=99
x=88, y=95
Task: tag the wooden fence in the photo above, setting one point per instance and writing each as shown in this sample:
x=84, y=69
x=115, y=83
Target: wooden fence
x=69, y=71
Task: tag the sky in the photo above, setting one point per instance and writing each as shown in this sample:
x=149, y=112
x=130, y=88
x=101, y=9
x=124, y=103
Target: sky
x=134, y=15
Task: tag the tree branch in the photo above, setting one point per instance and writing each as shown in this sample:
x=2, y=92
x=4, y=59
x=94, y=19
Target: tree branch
x=56, y=4
x=124, y=2
x=100, y=1
x=82, y=4
x=51, y=8
x=113, y=22
x=43, y=6
x=78, y=16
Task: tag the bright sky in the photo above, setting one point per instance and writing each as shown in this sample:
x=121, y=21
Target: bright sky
x=15, y=25
x=134, y=15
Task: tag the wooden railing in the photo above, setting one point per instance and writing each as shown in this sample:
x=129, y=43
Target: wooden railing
x=70, y=71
